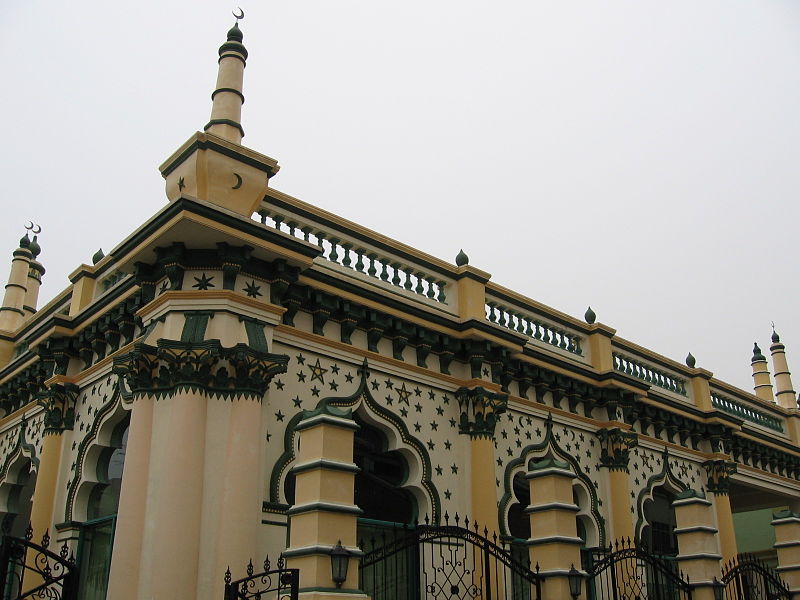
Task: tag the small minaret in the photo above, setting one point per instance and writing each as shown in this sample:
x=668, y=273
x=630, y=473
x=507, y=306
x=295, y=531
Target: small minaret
x=784, y=392
x=12, y=313
x=763, y=385
x=226, y=111
x=34, y=281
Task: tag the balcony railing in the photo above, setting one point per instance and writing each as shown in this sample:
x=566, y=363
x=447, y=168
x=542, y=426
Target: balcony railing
x=649, y=374
x=747, y=413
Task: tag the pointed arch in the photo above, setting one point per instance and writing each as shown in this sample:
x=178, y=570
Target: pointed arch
x=521, y=464
x=666, y=479
x=363, y=404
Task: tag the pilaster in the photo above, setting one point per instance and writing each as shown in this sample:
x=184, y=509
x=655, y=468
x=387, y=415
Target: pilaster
x=324, y=513
x=698, y=548
x=787, y=545
x=554, y=544
x=615, y=444
x=479, y=411
x=471, y=286
x=600, y=350
x=719, y=473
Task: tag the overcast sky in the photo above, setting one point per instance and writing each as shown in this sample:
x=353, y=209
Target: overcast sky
x=639, y=157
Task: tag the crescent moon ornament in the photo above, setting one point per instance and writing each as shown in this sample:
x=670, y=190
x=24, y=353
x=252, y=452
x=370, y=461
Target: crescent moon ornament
x=240, y=16
x=29, y=226
x=37, y=229
x=238, y=181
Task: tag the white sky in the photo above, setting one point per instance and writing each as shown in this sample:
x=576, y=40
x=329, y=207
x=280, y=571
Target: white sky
x=639, y=157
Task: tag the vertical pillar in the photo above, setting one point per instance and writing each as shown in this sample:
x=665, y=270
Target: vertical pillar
x=201, y=465
x=479, y=410
x=59, y=404
x=34, y=280
x=787, y=544
x=226, y=111
x=719, y=472
x=324, y=512
x=124, y=576
x=615, y=445
x=784, y=392
x=554, y=542
x=762, y=384
x=698, y=549
x=12, y=311
x=600, y=350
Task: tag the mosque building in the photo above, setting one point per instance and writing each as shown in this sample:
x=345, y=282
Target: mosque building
x=248, y=376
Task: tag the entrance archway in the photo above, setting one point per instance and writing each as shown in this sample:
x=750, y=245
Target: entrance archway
x=658, y=534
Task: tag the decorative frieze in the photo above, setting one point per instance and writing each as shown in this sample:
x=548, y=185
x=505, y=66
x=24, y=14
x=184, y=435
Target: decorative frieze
x=615, y=447
x=719, y=474
x=479, y=409
x=173, y=366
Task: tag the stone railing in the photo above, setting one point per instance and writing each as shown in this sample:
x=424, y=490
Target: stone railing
x=656, y=376
x=364, y=252
x=745, y=411
x=540, y=327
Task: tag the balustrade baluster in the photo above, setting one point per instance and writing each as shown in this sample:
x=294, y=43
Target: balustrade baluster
x=420, y=288
x=334, y=255
x=306, y=233
x=292, y=225
x=384, y=271
x=396, y=270
x=360, y=261
x=278, y=220
x=346, y=258
x=407, y=283
x=431, y=292
x=441, y=297
x=371, y=271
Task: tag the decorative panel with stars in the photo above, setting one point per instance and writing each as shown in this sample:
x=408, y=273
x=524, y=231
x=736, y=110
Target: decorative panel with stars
x=97, y=406
x=522, y=435
x=21, y=440
x=412, y=411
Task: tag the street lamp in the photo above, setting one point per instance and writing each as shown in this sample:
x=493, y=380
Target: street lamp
x=340, y=560
x=575, y=580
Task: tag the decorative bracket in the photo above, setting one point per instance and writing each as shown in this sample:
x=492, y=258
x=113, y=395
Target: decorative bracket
x=480, y=410
x=719, y=476
x=615, y=444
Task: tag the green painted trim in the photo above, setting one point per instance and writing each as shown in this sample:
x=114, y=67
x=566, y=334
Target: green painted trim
x=227, y=89
x=553, y=506
x=695, y=529
x=327, y=465
x=277, y=523
x=665, y=476
x=313, y=420
x=328, y=507
x=555, y=539
x=11, y=309
x=355, y=552
x=213, y=122
x=20, y=448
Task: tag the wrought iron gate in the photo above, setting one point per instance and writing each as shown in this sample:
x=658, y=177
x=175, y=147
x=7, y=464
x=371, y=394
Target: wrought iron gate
x=29, y=570
x=747, y=578
x=626, y=572
x=271, y=584
x=456, y=562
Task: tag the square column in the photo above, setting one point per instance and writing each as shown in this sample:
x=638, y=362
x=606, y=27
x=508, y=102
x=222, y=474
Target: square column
x=787, y=544
x=324, y=513
x=554, y=542
x=698, y=545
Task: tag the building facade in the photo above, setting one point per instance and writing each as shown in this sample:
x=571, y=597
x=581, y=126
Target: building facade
x=247, y=375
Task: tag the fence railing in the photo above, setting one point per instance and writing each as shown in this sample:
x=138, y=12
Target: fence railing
x=745, y=412
x=659, y=377
x=356, y=252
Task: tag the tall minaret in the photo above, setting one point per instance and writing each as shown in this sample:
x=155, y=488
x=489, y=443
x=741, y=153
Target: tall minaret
x=12, y=312
x=785, y=394
x=34, y=280
x=763, y=385
x=226, y=111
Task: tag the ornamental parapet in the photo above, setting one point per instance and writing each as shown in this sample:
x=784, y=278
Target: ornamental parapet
x=173, y=366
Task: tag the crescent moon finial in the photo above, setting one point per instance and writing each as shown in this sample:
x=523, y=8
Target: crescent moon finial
x=37, y=230
x=29, y=226
x=239, y=16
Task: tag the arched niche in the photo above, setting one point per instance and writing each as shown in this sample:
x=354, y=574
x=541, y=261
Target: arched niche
x=656, y=517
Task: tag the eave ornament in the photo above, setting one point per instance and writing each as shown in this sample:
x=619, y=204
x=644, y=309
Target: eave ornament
x=479, y=410
x=615, y=447
x=173, y=366
x=719, y=476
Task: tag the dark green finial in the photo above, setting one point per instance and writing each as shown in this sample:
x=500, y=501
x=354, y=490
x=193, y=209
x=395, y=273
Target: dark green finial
x=98, y=256
x=775, y=337
x=691, y=361
x=235, y=34
x=462, y=259
x=757, y=356
x=35, y=248
x=25, y=242
x=589, y=316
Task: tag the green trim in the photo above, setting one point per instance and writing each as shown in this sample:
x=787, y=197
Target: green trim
x=665, y=476
x=11, y=309
x=328, y=507
x=256, y=338
x=227, y=89
x=194, y=328
x=213, y=122
x=328, y=465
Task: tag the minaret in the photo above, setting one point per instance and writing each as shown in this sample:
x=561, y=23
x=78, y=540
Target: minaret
x=226, y=111
x=34, y=280
x=763, y=385
x=213, y=166
x=12, y=312
x=785, y=394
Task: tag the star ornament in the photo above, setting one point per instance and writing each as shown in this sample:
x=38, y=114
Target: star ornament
x=253, y=290
x=203, y=282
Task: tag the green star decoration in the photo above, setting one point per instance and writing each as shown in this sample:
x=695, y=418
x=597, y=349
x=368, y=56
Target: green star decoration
x=253, y=290
x=181, y=184
x=404, y=394
x=318, y=372
x=203, y=282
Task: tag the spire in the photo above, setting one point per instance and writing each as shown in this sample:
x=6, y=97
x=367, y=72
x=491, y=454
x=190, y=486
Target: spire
x=12, y=311
x=785, y=394
x=226, y=110
x=34, y=281
x=761, y=379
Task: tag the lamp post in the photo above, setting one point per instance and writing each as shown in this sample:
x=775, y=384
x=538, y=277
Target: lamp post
x=575, y=580
x=340, y=560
